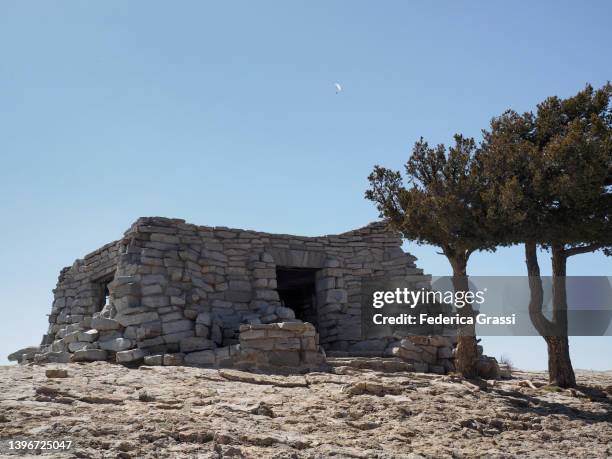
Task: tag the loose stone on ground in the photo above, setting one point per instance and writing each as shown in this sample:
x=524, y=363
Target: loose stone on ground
x=110, y=410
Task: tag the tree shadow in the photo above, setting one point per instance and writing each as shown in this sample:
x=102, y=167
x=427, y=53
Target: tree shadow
x=527, y=403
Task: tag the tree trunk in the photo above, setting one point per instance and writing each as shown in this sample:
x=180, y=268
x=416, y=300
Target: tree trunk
x=560, y=371
x=466, y=356
x=536, y=292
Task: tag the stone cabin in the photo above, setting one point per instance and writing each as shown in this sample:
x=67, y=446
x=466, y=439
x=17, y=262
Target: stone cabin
x=171, y=292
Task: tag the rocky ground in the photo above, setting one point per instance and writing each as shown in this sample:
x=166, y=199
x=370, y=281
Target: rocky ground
x=111, y=411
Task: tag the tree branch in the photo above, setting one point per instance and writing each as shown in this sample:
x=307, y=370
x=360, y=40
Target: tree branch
x=581, y=249
x=536, y=293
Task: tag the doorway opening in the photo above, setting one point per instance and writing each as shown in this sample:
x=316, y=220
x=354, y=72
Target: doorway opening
x=103, y=293
x=297, y=290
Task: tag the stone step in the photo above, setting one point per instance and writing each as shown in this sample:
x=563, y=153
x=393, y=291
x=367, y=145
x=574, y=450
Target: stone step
x=381, y=364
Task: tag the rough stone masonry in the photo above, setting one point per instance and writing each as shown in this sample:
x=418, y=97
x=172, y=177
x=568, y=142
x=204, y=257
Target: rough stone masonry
x=172, y=293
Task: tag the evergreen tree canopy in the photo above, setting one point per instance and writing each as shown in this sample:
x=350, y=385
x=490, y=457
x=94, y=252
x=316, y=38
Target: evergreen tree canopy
x=548, y=175
x=441, y=204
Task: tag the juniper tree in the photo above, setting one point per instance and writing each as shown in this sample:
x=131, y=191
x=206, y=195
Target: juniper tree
x=440, y=205
x=548, y=176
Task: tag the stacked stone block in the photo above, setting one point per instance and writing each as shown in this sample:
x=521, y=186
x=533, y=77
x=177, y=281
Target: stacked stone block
x=280, y=346
x=433, y=354
x=183, y=291
x=77, y=295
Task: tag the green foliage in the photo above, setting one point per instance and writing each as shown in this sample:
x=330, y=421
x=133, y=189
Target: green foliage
x=442, y=203
x=548, y=175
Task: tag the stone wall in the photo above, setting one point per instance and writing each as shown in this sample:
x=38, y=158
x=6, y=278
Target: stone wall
x=176, y=289
x=280, y=345
x=77, y=295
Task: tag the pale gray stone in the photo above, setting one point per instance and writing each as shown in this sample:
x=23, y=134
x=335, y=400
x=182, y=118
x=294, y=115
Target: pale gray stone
x=100, y=323
x=130, y=332
x=133, y=355
x=221, y=304
x=177, y=326
x=126, y=302
x=195, y=343
x=77, y=346
x=167, y=238
x=151, y=342
x=154, y=360
x=177, y=300
x=267, y=295
x=55, y=357
x=147, y=330
x=153, y=289
x=152, y=279
x=204, y=318
x=240, y=285
x=408, y=345
x=172, y=316
x=136, y=319
x=59, y=346
x=267, y=258
x=178, y=336
x=336, y=296
x=71, y=337
x=158, y=301
x=116, y=345
x=23, y=353
x=88, y=336
x=128, y=288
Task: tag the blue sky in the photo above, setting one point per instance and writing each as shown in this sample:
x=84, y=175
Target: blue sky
x=224, y=113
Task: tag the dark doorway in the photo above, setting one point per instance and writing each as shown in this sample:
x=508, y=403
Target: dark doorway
x=296, y=288
x=103, y=293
